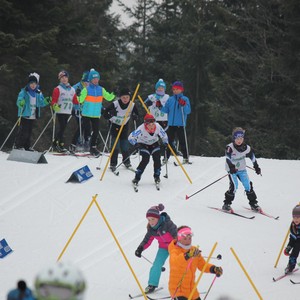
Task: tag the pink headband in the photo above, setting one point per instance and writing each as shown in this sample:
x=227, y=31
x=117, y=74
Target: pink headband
x=184, y=232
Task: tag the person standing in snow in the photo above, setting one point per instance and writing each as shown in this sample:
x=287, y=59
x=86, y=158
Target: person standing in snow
x=91, y=99
x=146, y=138
x=22, y=292
x=161, y=228
x=63, y=99
x=177, y=107
x=184, y=261
x=293, y=247
x=115, y=112
x=156, y=101
x=79, y=86
x=29, y=102
x=235, y=153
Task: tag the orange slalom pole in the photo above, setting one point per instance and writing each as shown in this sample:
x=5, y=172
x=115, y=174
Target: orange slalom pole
x=76, y=228
x=120, y=248
x=247, y=275
x=280, y=252
x=202, y=271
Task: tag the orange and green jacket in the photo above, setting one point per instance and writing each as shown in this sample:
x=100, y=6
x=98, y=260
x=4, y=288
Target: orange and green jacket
x=182, y=272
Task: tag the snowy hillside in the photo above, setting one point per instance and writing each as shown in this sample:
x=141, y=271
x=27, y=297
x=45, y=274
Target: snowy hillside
x=39, y=212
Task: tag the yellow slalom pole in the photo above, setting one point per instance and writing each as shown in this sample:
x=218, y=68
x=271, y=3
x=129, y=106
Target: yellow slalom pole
x=120, y=248
x=173, y=153
x=143, y=103
x=280, y=252
x=120, y=131
x=75, y=230
x=202, y=271
x=247, y=275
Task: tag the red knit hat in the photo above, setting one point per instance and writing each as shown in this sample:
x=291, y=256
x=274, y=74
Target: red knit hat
x=149, y=118
x=154, y=211
x=178, y=85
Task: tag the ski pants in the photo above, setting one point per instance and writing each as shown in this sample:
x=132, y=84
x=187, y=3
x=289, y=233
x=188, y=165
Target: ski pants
x=295, y=253
x=155, y=271
x=63, y=121
x=24, y=135
x=95, y=122
x=172, y=132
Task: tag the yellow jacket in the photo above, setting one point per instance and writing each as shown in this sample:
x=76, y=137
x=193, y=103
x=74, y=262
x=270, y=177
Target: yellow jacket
x=182, y=271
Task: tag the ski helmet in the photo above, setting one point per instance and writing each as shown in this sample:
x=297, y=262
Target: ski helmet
x=296, y=211
x=61, y=281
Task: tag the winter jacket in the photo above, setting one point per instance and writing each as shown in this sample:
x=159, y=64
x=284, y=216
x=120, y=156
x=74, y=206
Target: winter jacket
x=294, y=235
x=91, y=98
x=182, y=271
x=164, y=234
x=16, y=295
x=174, y=110
x=26, y=109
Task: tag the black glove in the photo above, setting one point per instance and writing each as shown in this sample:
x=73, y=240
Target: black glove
x=113, y=112
x=78, y=91
x=232, y=169
x=138, y=251
x=148, y=103
x=287, y=250
x=134, y=117
x=257, y=168
x=216, y=270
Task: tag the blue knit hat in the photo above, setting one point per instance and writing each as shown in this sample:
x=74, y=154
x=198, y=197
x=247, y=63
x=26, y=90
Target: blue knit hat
x=159, y=83
x=93, y=74
x=85, y=76
x=178, y=85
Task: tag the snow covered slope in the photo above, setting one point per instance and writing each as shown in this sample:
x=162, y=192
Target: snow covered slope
x=39, y=212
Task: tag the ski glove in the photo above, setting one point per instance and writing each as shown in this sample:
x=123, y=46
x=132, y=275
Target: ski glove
x=216, y=270
x=287, y=250
x=56, y=107
x=148, y=102
x=21, y=103
x=232, y=169
x=48, y=99
x=257, y=168
x=78, y=91
x=158, y=104
x=138, y=251
x=194, y=252
x=182, y=102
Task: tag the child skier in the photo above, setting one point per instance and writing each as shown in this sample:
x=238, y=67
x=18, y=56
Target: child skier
x=185, y=259
x=293, y=247
x=235, y=153
x=177, y=107
x=156, y=101
x=63, y=99
x=146, y=136
x=115, y=112
x=29, y=102
x=161, y=228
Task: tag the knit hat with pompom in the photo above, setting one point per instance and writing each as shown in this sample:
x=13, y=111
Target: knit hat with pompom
x=154, y=211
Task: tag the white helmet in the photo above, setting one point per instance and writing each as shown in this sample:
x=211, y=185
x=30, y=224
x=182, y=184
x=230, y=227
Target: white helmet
x=61, y=281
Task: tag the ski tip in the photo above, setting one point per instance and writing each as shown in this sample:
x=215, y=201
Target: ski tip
x=274, y=279
x=186, y=197
x=276, y=218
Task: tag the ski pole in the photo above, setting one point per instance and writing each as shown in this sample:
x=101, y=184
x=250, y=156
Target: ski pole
x=184, y=130
x=126, y=158
x=107, y=137
x=17, y=123
x=210, y=287
x=166, y=161
x=219, y=256
x=149, y=261
x=42, y=132
x=188, y=197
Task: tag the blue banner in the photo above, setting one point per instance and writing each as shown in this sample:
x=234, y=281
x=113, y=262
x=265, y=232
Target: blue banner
x=81, y=175
x=4, y=248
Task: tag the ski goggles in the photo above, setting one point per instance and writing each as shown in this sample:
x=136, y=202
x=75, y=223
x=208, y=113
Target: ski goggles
x=238, y=134
x=183, y=233
x=53, y=292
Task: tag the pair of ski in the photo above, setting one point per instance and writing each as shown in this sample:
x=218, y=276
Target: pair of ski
x=231, y=212
x=285, y=275
x=136, y=189
x=150, y=298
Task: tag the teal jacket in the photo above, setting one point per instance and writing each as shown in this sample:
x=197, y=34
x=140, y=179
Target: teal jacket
x=25, y=111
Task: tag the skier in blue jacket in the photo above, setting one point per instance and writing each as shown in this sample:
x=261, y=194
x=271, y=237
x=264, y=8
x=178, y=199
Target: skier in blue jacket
x=21, y=292
x=177, y=107
x=29, y=102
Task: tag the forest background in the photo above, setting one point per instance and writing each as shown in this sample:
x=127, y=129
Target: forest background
x=238, y=60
